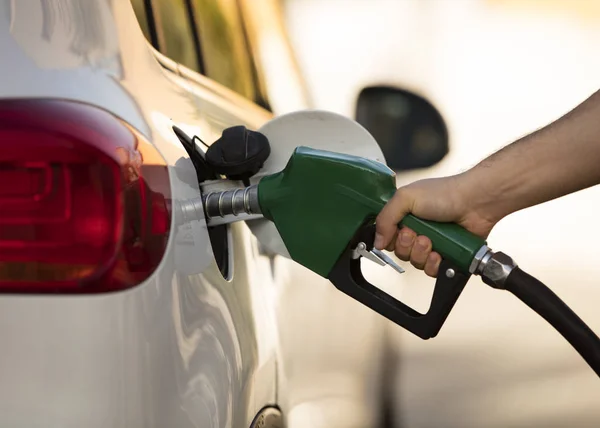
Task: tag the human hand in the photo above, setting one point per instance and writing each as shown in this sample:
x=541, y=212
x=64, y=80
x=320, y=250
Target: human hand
x=450, y=199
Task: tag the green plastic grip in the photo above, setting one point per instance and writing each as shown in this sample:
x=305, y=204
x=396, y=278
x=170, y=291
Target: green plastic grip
x=320, y=200
x=451, y=241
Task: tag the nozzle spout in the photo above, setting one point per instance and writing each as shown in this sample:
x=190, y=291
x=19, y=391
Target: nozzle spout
x=223, y=207
x=232, y=202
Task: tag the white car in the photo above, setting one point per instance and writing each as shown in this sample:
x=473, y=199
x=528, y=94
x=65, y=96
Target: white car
x=112, y=315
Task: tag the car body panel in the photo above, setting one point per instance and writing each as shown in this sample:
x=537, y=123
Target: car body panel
x=182, y=348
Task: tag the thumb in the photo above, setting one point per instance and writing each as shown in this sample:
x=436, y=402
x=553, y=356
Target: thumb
x=392, y=213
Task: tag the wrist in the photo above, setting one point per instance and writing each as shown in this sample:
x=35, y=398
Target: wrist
x=481, y=195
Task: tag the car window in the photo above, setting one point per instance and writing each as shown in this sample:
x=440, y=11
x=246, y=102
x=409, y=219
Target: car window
x=207, y=36
x=225, y=55
x=141, y=13
x=175, y=33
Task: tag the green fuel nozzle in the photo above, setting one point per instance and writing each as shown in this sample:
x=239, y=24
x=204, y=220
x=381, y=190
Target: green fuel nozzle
x=324, y=206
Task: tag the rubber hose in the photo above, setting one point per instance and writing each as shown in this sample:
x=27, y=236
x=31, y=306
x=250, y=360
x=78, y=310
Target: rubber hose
x=542, y=300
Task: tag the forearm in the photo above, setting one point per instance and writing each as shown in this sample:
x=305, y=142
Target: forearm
x=561, y=158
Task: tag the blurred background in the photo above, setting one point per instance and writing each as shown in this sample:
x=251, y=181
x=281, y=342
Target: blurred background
x=442, y=84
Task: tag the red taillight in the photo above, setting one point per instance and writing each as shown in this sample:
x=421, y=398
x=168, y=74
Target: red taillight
x=82, y=200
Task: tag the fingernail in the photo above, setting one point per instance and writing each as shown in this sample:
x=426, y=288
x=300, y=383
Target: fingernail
x=378, y=241
x=406, y=239
x=421, y=244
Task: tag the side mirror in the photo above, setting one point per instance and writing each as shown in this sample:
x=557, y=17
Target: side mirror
x=409, y=129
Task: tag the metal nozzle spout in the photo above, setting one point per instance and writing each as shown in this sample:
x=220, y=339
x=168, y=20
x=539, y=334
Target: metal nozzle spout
x=232, y=202
x=223, y=207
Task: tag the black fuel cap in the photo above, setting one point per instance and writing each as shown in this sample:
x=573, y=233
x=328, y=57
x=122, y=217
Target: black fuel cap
x=239, y=153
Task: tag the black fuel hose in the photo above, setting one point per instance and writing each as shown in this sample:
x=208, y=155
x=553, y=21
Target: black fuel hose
x=542, y=300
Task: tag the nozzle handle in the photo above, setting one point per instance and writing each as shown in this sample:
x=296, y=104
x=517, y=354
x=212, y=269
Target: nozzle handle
x=347, y=277
x=451, y=241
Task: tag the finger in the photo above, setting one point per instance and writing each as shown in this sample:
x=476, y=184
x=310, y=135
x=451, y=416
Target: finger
x=432, y=264
x=404, y=243
x=392, y=243
x=389, y=217
x=420, y=251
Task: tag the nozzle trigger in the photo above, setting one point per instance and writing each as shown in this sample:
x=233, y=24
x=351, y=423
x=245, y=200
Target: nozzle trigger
x=346, y=275
x=376, y=256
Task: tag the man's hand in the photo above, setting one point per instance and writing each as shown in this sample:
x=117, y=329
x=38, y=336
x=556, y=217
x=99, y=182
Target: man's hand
x=451, y=199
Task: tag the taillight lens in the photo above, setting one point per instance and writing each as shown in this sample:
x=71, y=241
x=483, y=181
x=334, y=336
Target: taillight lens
x=83, y=200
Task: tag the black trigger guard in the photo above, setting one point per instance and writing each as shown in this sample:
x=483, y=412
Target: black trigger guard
x=347, y=277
